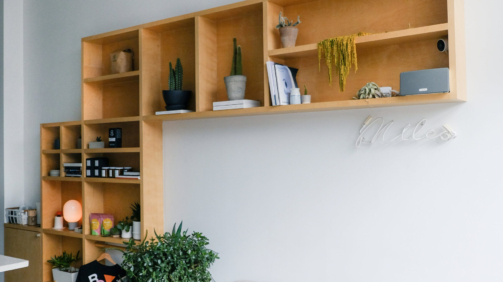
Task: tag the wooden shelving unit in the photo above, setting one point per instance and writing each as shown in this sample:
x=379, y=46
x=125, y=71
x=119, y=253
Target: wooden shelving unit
x=404, y=39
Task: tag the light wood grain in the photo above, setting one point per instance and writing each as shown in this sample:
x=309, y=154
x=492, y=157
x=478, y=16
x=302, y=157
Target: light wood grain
x=23, y=227
x=206, y=64
x=150, y=92
x=25, y=245
x=113, y=77
x=130, y=136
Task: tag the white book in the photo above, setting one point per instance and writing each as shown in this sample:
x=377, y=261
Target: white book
x=273, y=88
x=173, y=112
x=72, y=165
x=127, y=177
x=285, y=82
x=235, y=107
x=236, y=102
x=131, y=173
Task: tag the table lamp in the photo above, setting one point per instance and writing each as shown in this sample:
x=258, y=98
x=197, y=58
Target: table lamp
x=72, y=213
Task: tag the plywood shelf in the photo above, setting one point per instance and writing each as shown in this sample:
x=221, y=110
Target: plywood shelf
x=23, y=227
x=113, y=77
x=370, y=41
x=112, y=150
x=65, y=232
x=111, y=180
x=112, y=120
x=107, y=239
x=71, y=179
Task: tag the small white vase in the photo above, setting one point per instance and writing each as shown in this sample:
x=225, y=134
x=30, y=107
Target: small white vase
x=295, y=96
x=61, y=276
x=137, y=230
x=306, y=99
x=58, y=222
x=126, y=235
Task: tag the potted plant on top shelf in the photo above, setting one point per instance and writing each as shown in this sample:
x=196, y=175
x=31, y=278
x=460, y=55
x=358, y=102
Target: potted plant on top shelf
x=189, y=258
x=176, y=98
x=288, y=31
x=136, y=218
x=62, y=269
x=236, y=82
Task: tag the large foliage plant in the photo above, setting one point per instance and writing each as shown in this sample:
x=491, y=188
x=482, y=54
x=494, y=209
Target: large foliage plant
x=173, y=257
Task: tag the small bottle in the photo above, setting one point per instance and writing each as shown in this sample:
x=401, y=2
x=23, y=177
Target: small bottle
x=111, y=171
x=104, y=172
x=118, y=171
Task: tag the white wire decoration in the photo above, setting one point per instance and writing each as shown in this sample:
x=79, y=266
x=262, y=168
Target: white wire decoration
x=445, y=134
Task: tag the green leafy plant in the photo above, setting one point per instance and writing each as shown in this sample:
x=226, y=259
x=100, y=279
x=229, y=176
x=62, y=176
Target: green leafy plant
x=98, y=139
x=369, y=91
x=305, y=90
x=65, y=261
x=136, y=209
x=125, y=224
x=173, y=257
x=114, y=231
x=284, y=21
x=237, y=64
x=176, y=76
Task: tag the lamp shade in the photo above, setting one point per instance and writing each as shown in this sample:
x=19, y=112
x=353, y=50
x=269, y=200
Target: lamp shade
x=72, y=211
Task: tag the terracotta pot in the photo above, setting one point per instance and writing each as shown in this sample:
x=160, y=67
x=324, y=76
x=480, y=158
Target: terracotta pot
x=288, y=36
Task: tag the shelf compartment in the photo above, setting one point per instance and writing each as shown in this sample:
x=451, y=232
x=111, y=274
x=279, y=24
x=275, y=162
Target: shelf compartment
x=55, y=245
x=322, y=106
x=370, y=41
x=48, y=136
x=113, y=77
x=111, y=180
x=116, y=98
x=54, y=195
x=215, y=45
x=65, y=232
x=115, y=160
x=70, y=158
x=110, y=198
x=69, y=179
x=50, y=162
x=161, y=45
x=70, y=136
x=319, y=22
x=130, y=135
x=96, y=52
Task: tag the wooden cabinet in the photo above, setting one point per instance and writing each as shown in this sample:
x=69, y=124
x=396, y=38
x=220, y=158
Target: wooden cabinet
x=24, y=244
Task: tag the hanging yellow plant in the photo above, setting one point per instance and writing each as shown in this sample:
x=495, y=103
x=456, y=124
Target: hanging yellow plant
x=341, y=52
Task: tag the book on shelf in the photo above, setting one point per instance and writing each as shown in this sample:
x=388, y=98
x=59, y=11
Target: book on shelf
x=173, y=112
x=127, y=177
x=281, y=81
x=131, y=173
x=235, y=104
x=72, y=165
x=73, y=175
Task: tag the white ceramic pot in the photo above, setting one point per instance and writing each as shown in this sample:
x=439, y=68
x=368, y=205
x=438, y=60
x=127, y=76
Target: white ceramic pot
x=306, y=99
x=61, y=276
x=295, y=96
x=127, y=235
x=96, y=145
x=137, y=230
x=236, y=87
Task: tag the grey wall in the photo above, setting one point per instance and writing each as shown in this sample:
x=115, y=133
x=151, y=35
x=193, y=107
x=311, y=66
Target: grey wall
x=2, y=197
x=289, y=198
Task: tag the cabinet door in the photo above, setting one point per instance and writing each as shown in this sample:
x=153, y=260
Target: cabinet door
x=24, y=245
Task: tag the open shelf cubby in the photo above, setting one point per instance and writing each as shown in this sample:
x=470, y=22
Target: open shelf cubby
x=116, y=160
x=130, y=134
x=55, y=245
x=48, y=135
x=71, y=134
x=54, y=195
x=50, y=162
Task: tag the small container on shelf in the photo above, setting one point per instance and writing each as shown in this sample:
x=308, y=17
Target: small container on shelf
x=104, y=171
x=127, y=169
x=118, y=171
x=111, y=172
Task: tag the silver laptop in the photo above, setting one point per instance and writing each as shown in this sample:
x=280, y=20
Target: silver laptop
x=424, y=82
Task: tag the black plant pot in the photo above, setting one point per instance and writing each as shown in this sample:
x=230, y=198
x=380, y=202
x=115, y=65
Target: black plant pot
x=176, y=99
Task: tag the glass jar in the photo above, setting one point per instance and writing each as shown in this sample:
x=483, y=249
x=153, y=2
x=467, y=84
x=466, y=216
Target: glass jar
x=104, y=172
x=118, y=171
x=111, y=171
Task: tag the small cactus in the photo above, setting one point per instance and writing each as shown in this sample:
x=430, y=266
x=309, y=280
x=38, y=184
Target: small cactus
x=237, y=61
x=305, y=90
x=98, y=139
x=284, y=21
x=176, y=76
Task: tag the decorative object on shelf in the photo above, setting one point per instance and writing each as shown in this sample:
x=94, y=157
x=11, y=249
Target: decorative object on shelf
x=99, y=144
x=57, y=144
x=281, y=81
x=62, y=269
x=236, y=82
x=152, y=252
x=54, y=173
x=341, y=53
x=443, y=45
x=79, y=143
x=126, y=227
x=122, y=61
x=95, y=220
x=288, y=31
x=306, y=99
x=73, y=169
x=176, y=98
x=115, y=232
x=78, y=230
x=72, y=212
x=369, y=91
x=58, y=221
x=428, y=81
x=295, y=96
x=115, y=137
x=136, y=218
x=17, y=215
x=446, y=134
x=94, y=166
x=32, y=217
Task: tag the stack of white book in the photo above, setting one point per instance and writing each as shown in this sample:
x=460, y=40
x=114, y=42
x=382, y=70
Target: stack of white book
x=281, y=81
x=235, y=104
x=173, y=112
x=129, y=175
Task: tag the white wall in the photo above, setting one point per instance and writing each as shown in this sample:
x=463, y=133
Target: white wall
x=289, y=198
